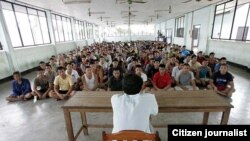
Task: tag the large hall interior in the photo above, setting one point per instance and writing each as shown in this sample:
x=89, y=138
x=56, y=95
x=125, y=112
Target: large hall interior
x=190, y=55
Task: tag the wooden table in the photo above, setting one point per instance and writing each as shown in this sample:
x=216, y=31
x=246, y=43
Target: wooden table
x=175, y=101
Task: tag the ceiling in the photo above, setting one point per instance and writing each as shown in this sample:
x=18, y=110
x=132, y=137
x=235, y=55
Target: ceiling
x=113, y=9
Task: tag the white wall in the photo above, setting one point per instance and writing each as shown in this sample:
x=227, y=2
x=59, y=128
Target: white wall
x=200, y=17
x=30, y=57
x=4, y=65
x=188, y=28
x=234, y=51
x=90, y=41
x=81, y=44
x=65, y=47
x=134, y=38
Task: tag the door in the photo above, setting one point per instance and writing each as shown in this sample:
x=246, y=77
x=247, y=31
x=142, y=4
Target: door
x=195, y=37
x=169, y=35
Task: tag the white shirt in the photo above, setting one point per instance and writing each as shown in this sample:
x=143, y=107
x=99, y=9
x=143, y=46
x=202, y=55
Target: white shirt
x=90, y=82
x=104, y=65
x=132, y=112
x=175, y=71
x=144, y=77
x=74, y=74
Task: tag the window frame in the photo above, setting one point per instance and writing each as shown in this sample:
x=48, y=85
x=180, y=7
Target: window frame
x=81, y=29
x=179, y=23
x=28, y=16
x=63, y=30
x=233, y=21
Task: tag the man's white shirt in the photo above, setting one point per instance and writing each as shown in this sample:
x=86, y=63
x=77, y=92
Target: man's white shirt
x=132, y=112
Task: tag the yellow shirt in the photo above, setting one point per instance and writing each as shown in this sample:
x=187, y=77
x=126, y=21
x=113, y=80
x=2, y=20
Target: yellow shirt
x=64, y=84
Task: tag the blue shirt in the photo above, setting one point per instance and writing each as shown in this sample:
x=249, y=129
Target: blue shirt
x=21, y=89
x=184, y=53
x=217, y=67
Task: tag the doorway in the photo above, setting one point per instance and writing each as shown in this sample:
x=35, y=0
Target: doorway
x=169, y=35
x=195, y=37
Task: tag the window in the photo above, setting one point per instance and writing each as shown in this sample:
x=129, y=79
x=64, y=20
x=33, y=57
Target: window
x=179, y=27
x=90, y=32
x=26, y=26
x=80, y=30
x=62, y=28
x=122, y=30
x=231, y=21
x=96, y=31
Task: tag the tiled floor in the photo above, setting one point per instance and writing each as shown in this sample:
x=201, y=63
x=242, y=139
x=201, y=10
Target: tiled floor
x=44, y=120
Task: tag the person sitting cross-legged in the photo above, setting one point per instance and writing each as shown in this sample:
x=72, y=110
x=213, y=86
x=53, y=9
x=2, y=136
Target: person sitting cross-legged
x=222, y=81
x=41, y=87
x=162, y=80
x=115, y=81
x=63, y=85
x=203, y=75
x=89, y=80
x=185, y=79
x=132, y=110
x=20, y=87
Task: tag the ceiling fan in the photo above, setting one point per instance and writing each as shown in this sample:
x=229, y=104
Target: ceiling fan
x=169, y=10
x=157, y=16
x=130, y=1
x=75, y=1
x=101, y=18
x=195, y=0
x=90, y=13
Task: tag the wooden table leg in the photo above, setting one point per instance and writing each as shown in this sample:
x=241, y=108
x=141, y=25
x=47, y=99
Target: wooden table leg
x=225, y=116
x=205, y=118
x=84, y=123
x=68, y=122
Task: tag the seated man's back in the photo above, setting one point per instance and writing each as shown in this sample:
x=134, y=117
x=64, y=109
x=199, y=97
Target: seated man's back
x=132, y=110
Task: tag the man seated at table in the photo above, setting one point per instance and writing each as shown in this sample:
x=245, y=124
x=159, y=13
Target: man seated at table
x=41, y=87
x=63, y=85
x=222, y=81
x=115, y=81
x=132, y=110
x=20, y=87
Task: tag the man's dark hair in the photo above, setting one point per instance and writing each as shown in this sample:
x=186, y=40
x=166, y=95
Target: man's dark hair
x=132, y=84
x=186, y=64
x=116, y=69
x=223, y=58
x=162, y=66
x=16, y=73
x=87, y=67
x=42, y=62
x=193, y=56
x=48, y=65
x=224, y=65
x=40, y=69
x=138, y=66
x=211, y=53
x=61, y=68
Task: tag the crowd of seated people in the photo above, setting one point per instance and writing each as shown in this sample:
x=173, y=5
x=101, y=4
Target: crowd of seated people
x=102, y=66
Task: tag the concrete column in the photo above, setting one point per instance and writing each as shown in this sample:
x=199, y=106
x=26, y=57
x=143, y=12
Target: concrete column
x=73, y=29
x=51, y=30
x=85, y=27
x=7, y=44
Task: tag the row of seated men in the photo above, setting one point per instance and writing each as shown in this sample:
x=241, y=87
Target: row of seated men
x=102, y=66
